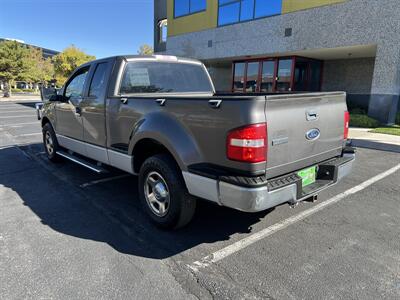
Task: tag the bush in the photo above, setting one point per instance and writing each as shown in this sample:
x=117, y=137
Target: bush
x=358, y=111
x=397, y=118
x=29, y=90
x=360, y=120
x=16, y=90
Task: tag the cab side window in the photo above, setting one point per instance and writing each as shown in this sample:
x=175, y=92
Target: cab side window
x=74, y=88
x=98, y=82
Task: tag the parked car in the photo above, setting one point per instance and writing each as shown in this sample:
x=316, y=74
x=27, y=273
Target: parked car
x=159, y=117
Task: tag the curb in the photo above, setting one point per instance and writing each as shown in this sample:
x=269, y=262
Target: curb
x=375, y=145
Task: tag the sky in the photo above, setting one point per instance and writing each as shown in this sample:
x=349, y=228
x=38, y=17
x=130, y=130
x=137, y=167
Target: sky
x=98, y=27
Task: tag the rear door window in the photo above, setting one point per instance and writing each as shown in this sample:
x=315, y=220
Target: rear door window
x=98, y=80
x=164, y=77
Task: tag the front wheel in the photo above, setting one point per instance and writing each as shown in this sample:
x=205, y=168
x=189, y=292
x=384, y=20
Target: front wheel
x=163, y=193
x=50, y=143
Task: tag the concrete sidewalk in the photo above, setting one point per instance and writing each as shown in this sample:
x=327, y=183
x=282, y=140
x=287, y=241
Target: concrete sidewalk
x=20, y=97
x=361, y=137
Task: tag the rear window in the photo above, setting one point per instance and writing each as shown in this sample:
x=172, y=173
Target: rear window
x=164, y=77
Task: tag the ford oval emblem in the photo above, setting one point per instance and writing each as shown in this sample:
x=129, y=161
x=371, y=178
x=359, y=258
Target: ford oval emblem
x=313, y=134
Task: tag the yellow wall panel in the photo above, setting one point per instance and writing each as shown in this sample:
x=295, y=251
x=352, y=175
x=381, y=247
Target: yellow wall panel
x=194, y=22
x=295, y=5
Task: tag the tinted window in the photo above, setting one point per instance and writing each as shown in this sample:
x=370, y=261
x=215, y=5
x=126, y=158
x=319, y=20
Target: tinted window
x=267, y=76
x=246, y=10
x=186, y=7
x=284, y=75
x=74, y=88
x=162, y=77
x=238, y=79
x=266, y=8
x=233, y=11
x=97, y=84
x=252, y=77
x=229, y=13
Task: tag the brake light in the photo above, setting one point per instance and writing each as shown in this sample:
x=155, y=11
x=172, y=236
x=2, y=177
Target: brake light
x=248, y=144
x=346, y=125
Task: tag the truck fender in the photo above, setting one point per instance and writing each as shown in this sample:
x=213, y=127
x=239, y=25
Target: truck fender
x=169, y=132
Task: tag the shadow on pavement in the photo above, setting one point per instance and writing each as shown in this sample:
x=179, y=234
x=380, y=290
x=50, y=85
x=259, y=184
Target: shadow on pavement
x=108, y=212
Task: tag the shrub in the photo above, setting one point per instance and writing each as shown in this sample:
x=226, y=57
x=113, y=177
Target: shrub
x=16, y=90
x=358, y=111
x=397, y=118
x=359, y=120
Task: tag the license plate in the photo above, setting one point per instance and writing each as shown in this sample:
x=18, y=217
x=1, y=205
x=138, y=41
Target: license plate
x=307, y=175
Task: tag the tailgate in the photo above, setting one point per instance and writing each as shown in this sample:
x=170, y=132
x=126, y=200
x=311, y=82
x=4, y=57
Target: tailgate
x=303, y=130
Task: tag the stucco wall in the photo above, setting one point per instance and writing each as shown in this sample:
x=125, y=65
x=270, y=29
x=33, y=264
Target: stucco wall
x=222, y=77
x=353, y=76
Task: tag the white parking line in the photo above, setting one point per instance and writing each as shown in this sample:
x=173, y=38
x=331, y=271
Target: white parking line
x=27, y=134
x=247, y=241
x=19, y=124
x=3, y=111
x=104, y=180
x=22, y=116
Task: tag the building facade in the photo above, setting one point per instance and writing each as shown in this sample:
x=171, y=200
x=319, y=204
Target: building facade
x=292, y=45
x=46, y=53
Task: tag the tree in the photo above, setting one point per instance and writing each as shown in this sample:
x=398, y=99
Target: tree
x=145, y=50
x=67, y=61
x=41, y=70
x=14, y=63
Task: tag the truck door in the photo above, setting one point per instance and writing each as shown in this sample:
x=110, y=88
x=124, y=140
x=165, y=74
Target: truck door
x=93, y=112
x=69, y=119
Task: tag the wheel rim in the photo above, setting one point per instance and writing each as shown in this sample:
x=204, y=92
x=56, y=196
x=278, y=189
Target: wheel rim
x=157, y=194
x=49, y=143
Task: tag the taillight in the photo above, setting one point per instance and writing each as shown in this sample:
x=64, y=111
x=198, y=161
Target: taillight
x=346, y=125
x=248, y=144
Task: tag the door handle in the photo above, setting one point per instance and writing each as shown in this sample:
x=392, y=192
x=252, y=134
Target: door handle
x=214, y=103
x=311, y=115
x=78, y=111
x=124, y=100
x=161, y=102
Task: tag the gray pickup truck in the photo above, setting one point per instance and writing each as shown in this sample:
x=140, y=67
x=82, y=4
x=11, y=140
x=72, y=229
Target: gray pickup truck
x=160, y=118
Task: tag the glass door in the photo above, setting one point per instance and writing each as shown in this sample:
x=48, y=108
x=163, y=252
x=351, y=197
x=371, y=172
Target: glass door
x=301, y=76
x=252, y=77
x=284, y=75
x=267, y=76
x=238, y=77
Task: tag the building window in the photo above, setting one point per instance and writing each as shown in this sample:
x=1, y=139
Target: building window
x=234, y=11
x=162, y=30
x=187, y=7
x=279, y=74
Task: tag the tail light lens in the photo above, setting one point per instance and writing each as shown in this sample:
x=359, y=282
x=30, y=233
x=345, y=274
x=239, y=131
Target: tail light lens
x=248, y=144
x=346, y=125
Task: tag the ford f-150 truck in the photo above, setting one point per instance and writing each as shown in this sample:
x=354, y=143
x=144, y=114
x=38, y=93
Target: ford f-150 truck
x=160, y=118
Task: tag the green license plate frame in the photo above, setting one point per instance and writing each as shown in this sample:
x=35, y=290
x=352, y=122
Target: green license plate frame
x=308, y=175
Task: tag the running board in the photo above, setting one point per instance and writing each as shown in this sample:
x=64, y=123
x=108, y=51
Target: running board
x=82, y=162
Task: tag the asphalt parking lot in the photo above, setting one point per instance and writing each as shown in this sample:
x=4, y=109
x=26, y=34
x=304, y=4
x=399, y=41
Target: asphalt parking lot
x=68, y=233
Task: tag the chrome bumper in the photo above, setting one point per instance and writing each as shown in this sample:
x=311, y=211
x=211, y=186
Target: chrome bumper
x=39, y=107
x=253, y=199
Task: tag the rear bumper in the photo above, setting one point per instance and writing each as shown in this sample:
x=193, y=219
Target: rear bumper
x=254, y=199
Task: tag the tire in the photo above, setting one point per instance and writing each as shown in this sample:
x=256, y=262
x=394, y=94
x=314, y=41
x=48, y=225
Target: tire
x=50, y=143
x=161, y=184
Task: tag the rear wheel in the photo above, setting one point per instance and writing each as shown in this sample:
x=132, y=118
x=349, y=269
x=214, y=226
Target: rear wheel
x=50, y=143
x=163, y=193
